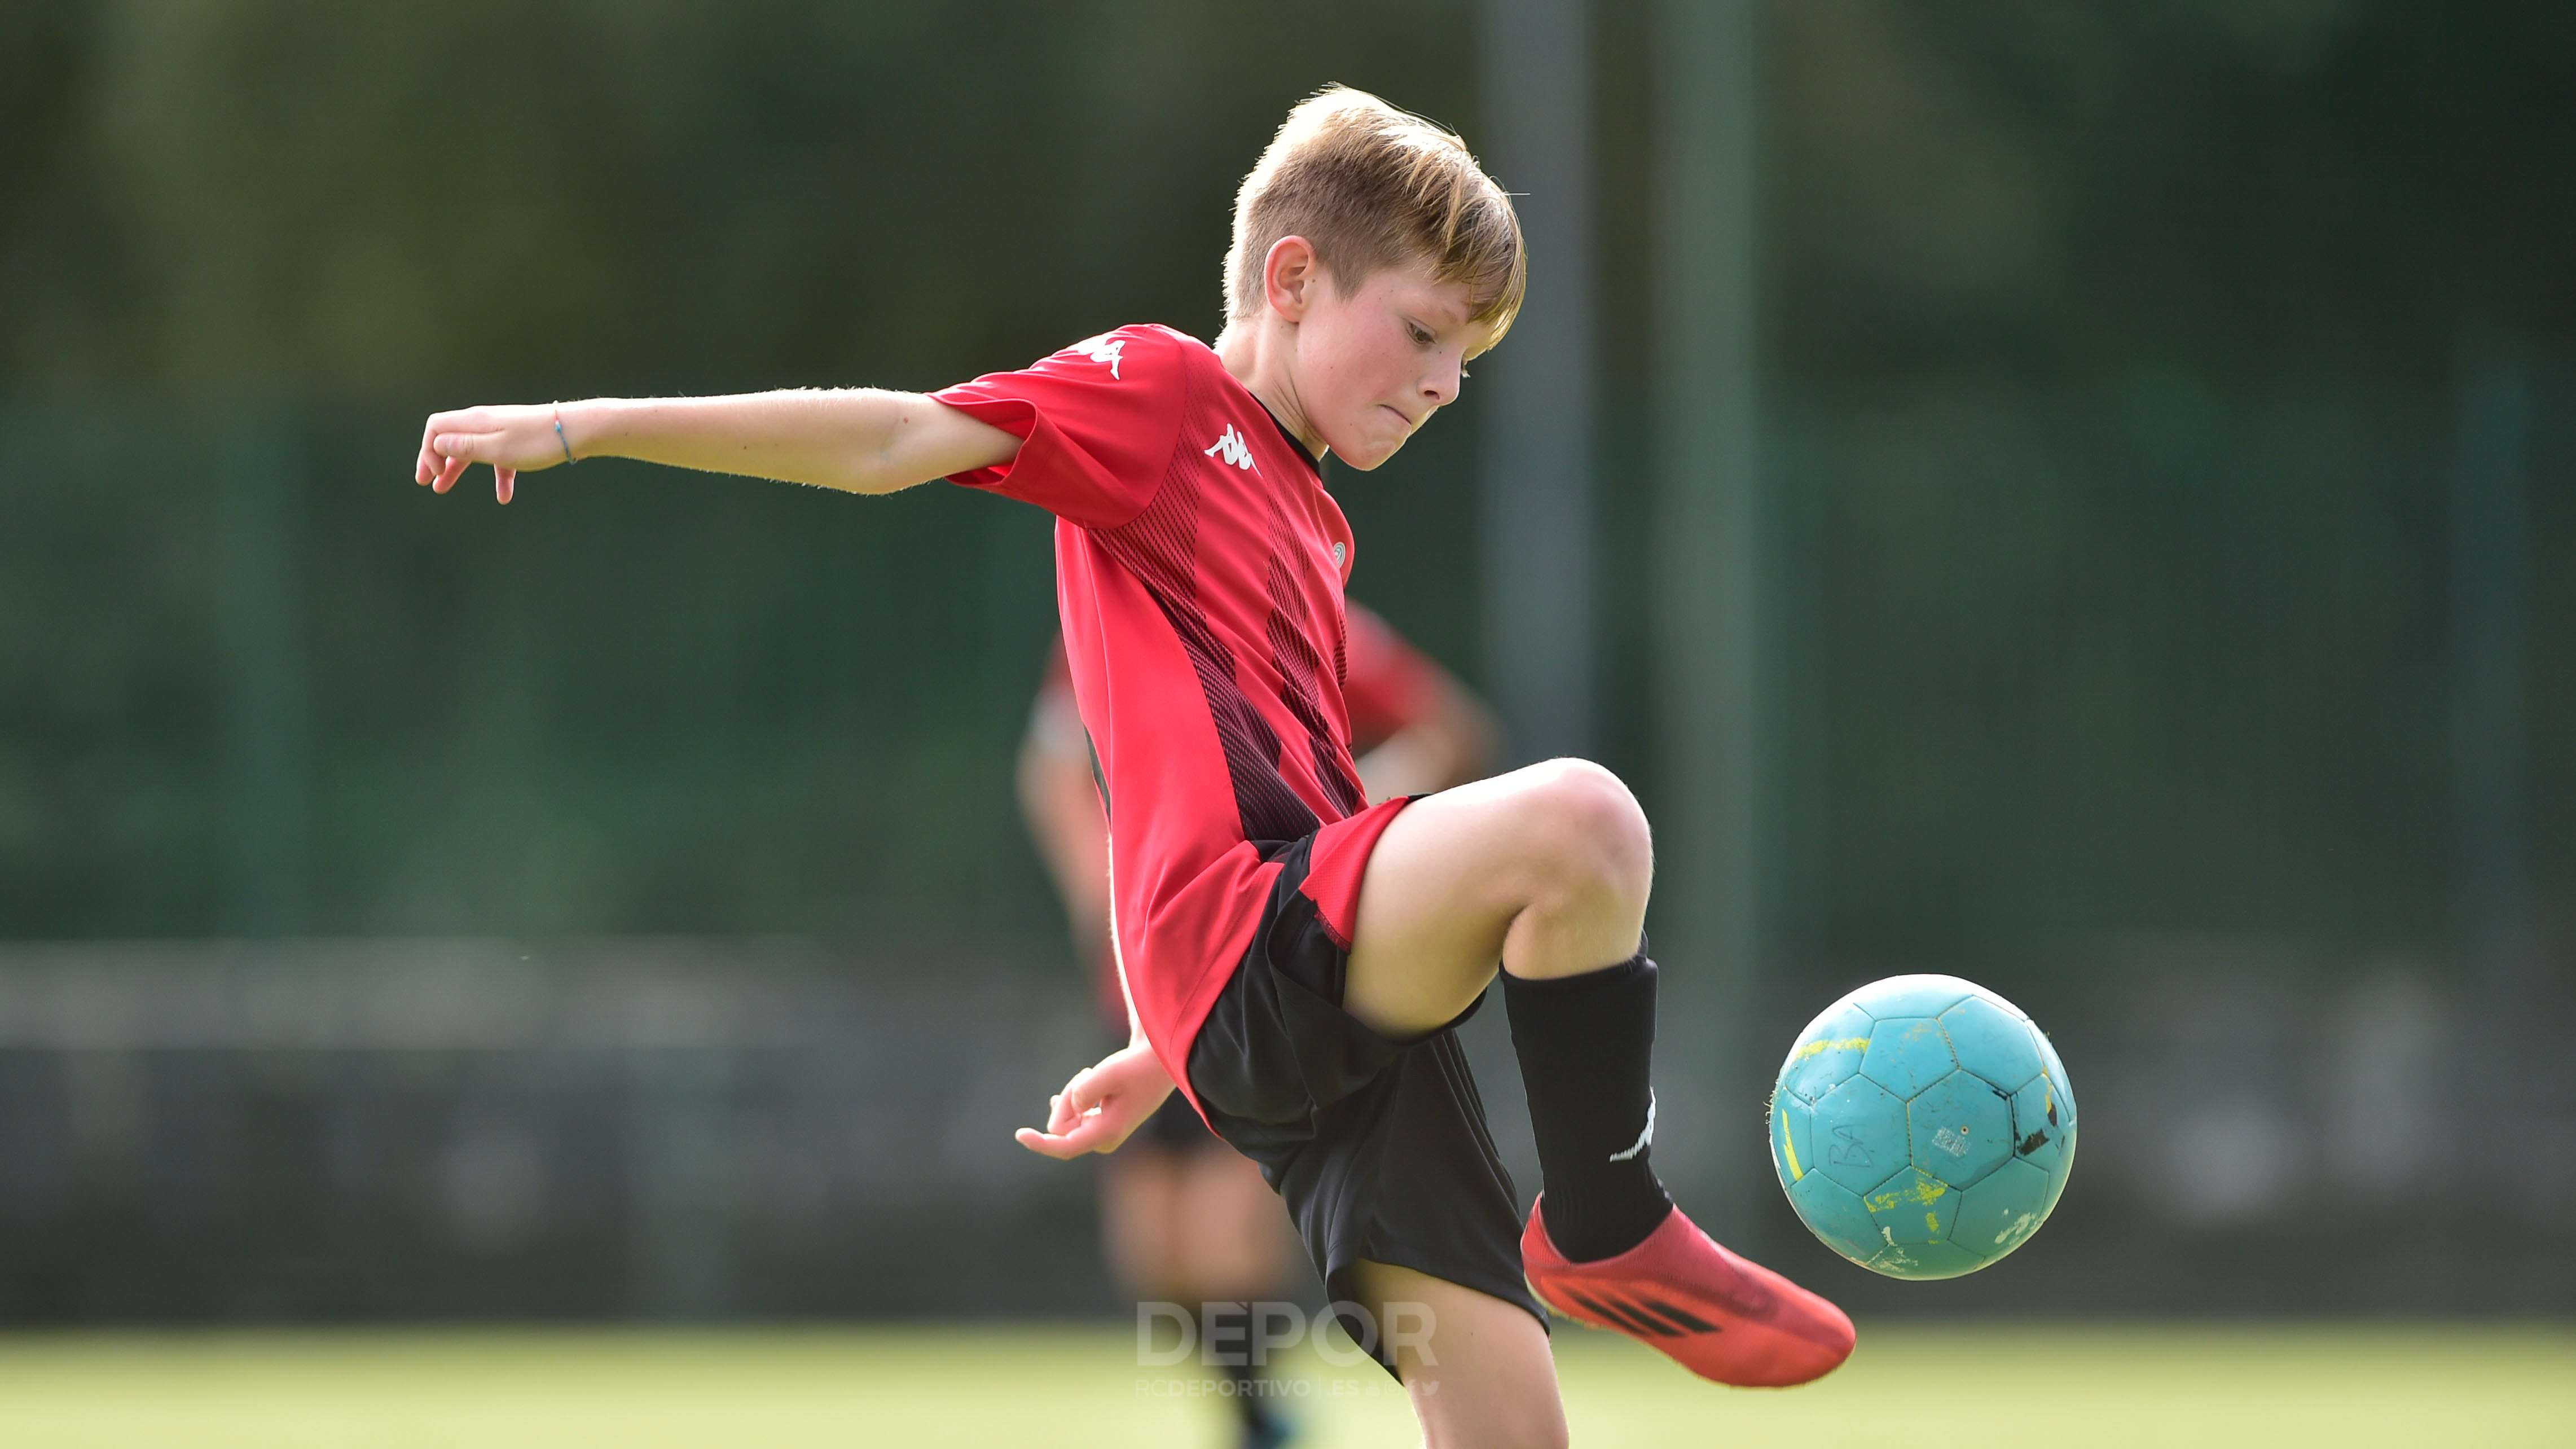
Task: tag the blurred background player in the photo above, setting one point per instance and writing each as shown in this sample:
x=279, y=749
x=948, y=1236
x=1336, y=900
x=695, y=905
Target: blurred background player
x=1184, y=1218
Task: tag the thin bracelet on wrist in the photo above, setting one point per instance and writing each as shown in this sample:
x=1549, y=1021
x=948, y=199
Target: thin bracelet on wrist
x=559, y=435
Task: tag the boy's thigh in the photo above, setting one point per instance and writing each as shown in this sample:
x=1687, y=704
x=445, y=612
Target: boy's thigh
x=1442, y=887
x=1476, y=1368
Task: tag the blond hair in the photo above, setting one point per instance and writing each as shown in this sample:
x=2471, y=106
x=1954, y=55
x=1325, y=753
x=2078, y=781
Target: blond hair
x=1373, y=186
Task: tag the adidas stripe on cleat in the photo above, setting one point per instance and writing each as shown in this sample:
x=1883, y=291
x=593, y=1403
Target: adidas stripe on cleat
x=1646, y=1316
x=1718, y=1315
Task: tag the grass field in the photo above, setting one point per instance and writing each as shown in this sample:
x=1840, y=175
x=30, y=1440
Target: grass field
x=2065, y=1387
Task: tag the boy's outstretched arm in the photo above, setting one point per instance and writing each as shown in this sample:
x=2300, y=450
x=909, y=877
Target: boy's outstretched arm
x=862, y=440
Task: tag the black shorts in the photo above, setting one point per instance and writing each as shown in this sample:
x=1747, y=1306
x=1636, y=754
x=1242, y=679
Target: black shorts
x=1174, y=1128
x=1379, y=1148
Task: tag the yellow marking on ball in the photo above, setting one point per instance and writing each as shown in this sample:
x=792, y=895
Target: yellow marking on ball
x=1831, y=1044
x=1924, y=1191
x=1791, y=1148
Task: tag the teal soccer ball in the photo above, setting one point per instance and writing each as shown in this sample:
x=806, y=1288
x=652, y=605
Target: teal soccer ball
x=1923, y=1127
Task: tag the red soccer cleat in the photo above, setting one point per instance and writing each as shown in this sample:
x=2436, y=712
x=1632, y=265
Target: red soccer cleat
x=1721, y=1317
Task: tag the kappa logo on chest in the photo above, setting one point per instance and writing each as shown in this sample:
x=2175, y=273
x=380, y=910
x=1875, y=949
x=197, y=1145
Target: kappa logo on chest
x=1231, y=448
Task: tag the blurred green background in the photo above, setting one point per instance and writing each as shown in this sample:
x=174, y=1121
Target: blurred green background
x=2118, y=358
x=2166, y=456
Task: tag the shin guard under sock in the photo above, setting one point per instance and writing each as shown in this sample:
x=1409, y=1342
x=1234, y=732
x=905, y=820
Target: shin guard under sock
x=1586, y=1046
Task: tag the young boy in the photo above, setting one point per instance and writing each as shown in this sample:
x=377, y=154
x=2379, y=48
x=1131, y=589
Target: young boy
x=1294, y=958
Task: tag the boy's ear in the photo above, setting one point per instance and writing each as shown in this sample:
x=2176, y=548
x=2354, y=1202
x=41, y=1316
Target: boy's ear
x=1289, y=276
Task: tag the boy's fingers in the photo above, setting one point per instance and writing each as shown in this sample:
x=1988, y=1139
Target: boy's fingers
x=451, y=442
x=1086, y=1135
x=1086, y=1115
x=481, y=445
x=1043, y=1143
x=1055, y=1142
x=1067, y=1115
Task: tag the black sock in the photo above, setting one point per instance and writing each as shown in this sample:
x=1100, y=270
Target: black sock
x=1586, y=1045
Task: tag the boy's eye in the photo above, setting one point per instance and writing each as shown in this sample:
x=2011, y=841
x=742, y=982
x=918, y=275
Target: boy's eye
x=1420, y=337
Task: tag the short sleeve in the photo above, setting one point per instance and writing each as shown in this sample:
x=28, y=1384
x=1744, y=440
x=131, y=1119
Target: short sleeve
x=1388, y=684
x=1096, y=422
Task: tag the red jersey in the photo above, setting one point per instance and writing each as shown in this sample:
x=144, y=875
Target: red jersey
x=1387, y=685
x=1199, y=573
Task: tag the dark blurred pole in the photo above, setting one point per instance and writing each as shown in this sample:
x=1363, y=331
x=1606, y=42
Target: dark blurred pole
x=266, y=737
x=1536, y=390
x=2490, y=594
x=1707, y=920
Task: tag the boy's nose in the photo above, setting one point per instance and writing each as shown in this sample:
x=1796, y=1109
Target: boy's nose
x=1441, y=388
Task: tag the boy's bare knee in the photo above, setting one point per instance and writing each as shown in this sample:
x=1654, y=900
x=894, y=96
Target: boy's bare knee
x=1594, y=827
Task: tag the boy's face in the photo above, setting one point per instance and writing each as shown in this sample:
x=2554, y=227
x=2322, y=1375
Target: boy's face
x=1371, y=367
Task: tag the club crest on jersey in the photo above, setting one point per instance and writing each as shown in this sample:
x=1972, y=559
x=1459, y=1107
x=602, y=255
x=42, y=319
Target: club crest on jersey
x=1102, y=349
x=1231, y=448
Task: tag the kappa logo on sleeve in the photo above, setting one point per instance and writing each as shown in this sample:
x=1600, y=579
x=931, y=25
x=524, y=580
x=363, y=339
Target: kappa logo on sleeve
x=1102, y=349
x=1231, y=448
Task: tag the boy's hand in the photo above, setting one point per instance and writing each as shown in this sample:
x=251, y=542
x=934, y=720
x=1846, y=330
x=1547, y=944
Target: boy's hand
x=1101, y=1105
x=513, y=440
